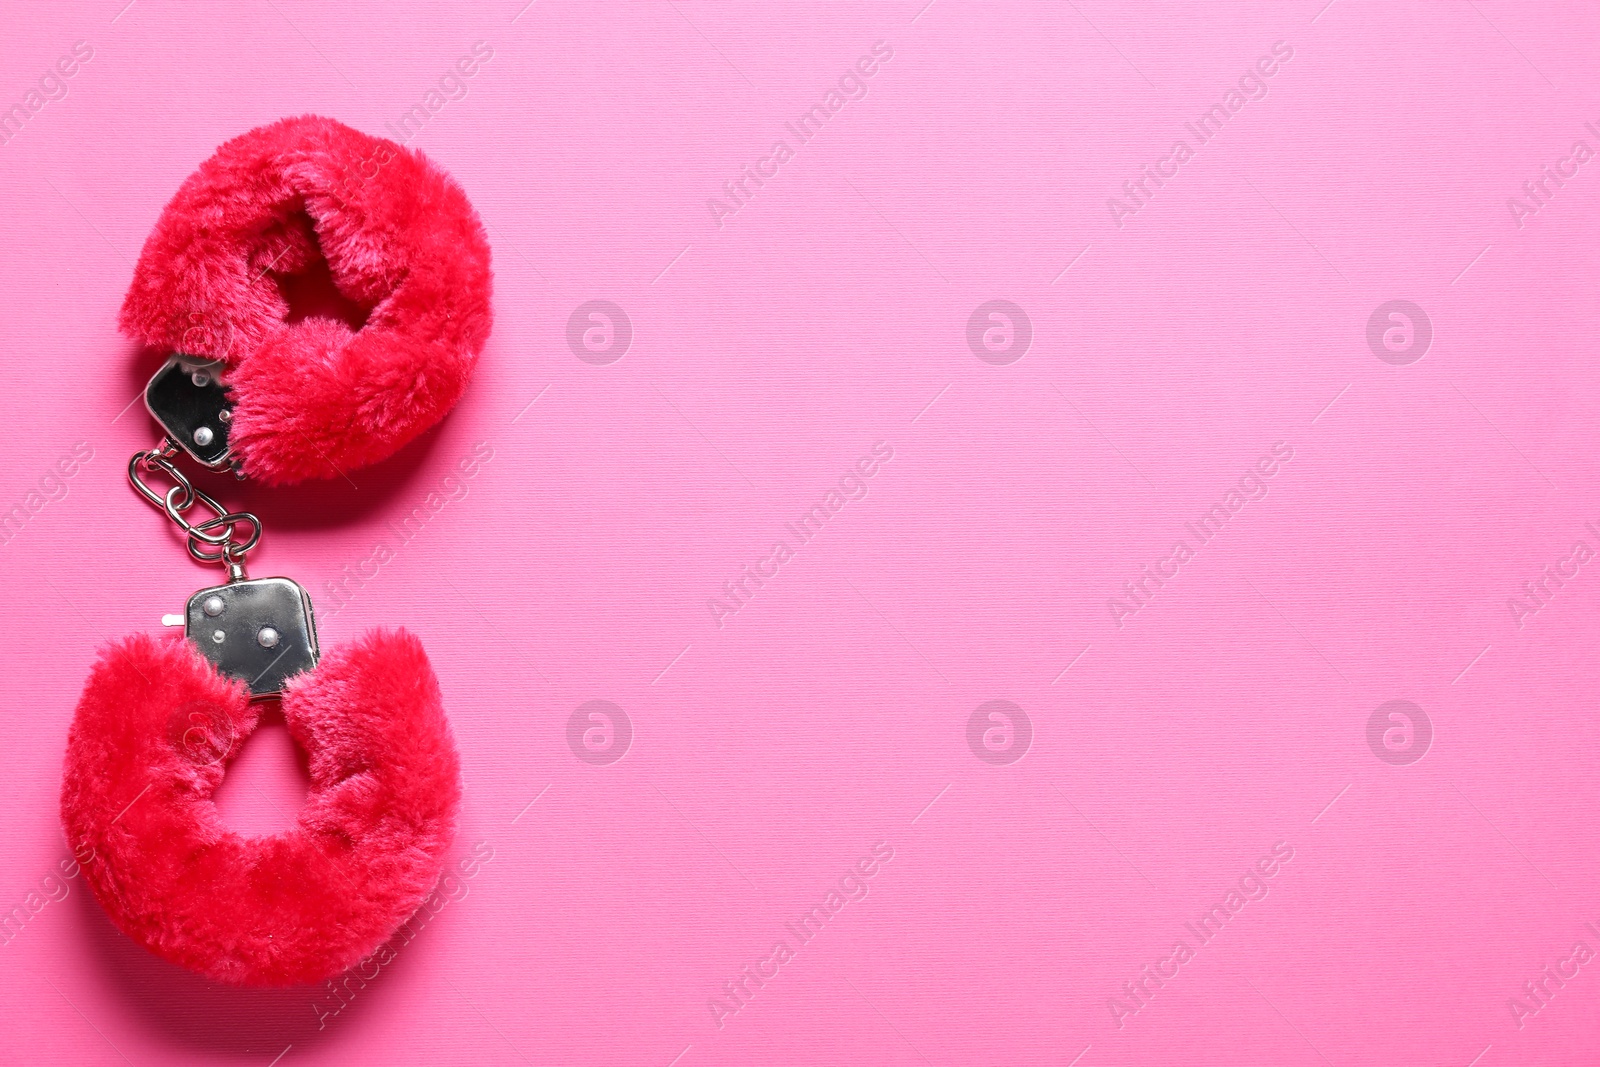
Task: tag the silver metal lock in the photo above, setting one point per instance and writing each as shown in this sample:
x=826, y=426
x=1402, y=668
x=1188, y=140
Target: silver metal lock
x=259, y=630
x=189, y=399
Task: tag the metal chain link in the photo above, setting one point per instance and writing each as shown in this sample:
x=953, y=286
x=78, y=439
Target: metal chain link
x=214, y=540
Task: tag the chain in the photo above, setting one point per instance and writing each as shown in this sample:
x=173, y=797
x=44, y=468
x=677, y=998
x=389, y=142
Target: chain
x=214, y=540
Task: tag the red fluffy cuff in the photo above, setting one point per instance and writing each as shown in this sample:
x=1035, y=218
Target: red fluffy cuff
x=313, y=398
x=154, y=731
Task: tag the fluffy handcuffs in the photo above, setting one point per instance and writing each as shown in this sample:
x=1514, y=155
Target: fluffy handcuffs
x=280, y=402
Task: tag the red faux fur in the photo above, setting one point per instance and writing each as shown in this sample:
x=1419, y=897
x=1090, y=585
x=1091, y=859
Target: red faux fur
x=314, y=399
x=286, y=908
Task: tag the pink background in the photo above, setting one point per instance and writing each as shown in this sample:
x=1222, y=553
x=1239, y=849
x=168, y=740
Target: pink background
x=1168, y=754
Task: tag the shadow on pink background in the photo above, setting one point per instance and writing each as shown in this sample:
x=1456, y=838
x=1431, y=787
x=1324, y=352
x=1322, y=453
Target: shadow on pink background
x=1193, y=747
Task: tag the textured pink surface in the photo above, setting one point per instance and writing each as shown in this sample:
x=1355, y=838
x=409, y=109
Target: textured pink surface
x=1183, y=737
